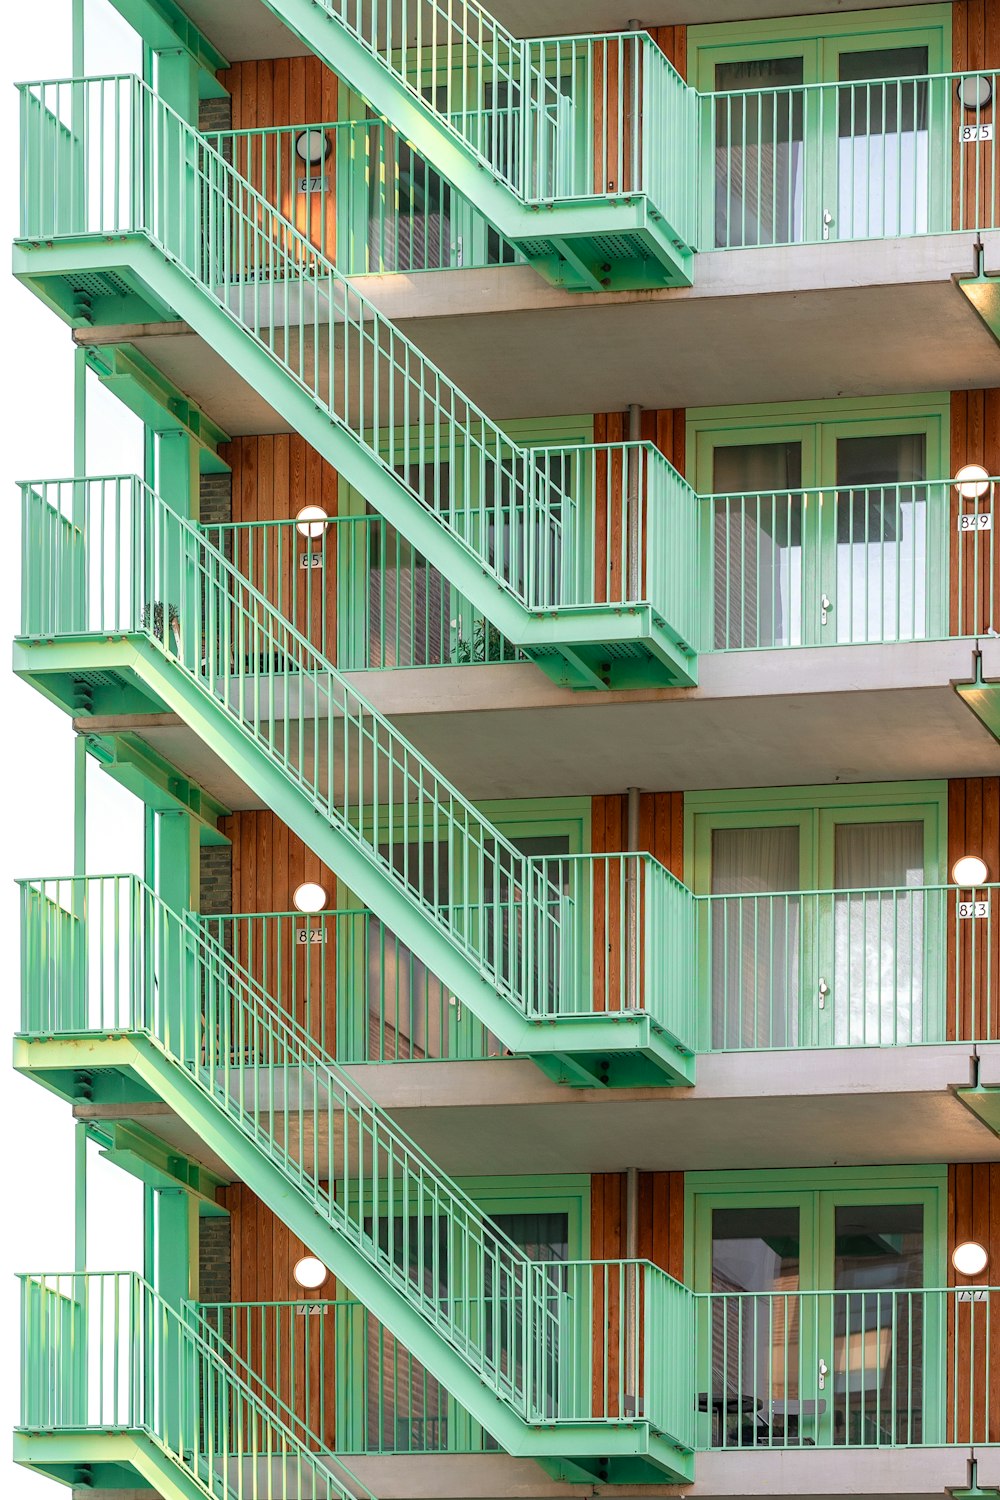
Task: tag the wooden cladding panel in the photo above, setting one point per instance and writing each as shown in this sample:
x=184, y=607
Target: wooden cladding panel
x=973, y=974
x=269, y=861
x=660, y=1240
x=974, y=571
x=273, y=477
x=264, y=1251
x=975, y=43
x=666, y=429
x=276, y=91
x=616, y=132
x=973, y=1337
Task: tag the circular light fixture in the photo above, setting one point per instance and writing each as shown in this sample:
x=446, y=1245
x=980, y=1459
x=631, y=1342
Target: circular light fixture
x=970, y=1258
x=969, y=871
x=974, y=91
x=309, y=897
x=972, y=481
x=311, y=521
x=312, y=147
x=310, y=1272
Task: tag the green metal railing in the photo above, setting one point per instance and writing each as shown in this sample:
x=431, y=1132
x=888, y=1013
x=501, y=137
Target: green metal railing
x=629, y=947
x=371, y=203
x=517, y=537
x=525, y=110
x=101, y=1352
x=335, y=1375
x=110, y=557
x=622, y=527
x=887, y=967
x=102, y=955
x=859, y=565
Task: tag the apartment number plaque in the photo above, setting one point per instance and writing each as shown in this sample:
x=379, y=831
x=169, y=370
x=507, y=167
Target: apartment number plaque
x=973, y=910
x=309, y=936
x=967, y=134
x=310, y=560
x=977, y=521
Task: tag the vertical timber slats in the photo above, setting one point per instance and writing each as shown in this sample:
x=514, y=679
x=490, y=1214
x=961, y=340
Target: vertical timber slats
x=615, y=130
x=973, y=828
x=276, y=91
x=973, y=1214
x=274, y=476
x=975, y=44
x=974, y=573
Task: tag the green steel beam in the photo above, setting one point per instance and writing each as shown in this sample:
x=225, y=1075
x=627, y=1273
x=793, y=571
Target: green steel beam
x=80, y=1136
x=79, y=805
x=110, y=1460
x=158, y=1165
x=164, y=27
x=127, y=759
x=157, y=402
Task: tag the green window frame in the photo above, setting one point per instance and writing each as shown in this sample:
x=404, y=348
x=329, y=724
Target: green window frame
x=819, y=41
x=819, y=567
x=809, y=1352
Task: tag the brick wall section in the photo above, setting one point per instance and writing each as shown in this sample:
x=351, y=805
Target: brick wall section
x=216, y=499
x=215, y=1267
x=217, y=880
x=215, y=114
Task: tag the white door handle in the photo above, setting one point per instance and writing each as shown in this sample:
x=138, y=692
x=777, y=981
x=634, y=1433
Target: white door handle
x=823, y=1373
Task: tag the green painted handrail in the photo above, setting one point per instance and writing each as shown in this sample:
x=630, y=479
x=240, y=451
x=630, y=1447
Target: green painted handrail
x=372, y=204
x=102, y=1352
x=109, y=556
x=517, y=539
x=102, y=955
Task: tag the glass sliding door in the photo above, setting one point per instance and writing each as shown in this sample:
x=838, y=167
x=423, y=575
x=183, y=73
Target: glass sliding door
x=760, y=178
x=877, y=964
x=885, y=520
x=758, y=545
x=755, y=937
x=883, y=145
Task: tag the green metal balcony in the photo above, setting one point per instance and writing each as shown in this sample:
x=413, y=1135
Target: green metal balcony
x=119, y=1389
x=126, y=207
x=124, y=999
x=835, y=566
x=573, y=148
x=898, y=966
x=905, y=1368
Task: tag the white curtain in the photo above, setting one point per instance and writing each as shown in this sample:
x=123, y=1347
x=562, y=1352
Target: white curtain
x=758, y=546
x=878, y=934
x=755, y=937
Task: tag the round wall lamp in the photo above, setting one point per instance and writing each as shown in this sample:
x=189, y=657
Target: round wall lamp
x=974, y=91
x=969, y=871
x=972, y=481
x=309, y=897
x=970, y=1258
x=310, y=1272
x=314, y=146
x=311, y=521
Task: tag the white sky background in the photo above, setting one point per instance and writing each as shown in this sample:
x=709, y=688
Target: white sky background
x=37, y=740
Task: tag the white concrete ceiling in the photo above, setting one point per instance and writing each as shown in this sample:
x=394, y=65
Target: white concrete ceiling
x=801, y=322
x=244, y=29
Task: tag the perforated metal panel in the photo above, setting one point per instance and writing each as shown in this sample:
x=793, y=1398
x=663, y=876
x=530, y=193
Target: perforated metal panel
x=99, y=284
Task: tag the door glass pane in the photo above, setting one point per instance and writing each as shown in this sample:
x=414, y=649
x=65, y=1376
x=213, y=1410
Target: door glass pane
x=543, y=1237
x=409, y=230
x=882, y=143
x=755, y=937
x=879, y=918
x=758, y=545
x=408, y=1009
x=409, y=601
x=759, y=179
x=878, y=1333
x=882, y=527
x=756, y=1314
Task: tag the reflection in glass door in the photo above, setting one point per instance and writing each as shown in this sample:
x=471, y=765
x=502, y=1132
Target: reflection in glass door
x=877, y=979
x=882, y=527
x=755, y=937
x=759, y=152
x=882, y=145
x=758, y=545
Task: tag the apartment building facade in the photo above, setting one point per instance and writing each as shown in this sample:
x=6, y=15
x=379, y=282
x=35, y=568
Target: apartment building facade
x=554, y=640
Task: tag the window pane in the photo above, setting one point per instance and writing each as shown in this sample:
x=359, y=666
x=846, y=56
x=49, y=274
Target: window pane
x=759, y=152
x=758, y=545
x=755, y=939
x=882, y=526
x=883, y=143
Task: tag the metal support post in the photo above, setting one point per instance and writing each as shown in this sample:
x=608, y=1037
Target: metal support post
x=634, y=528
